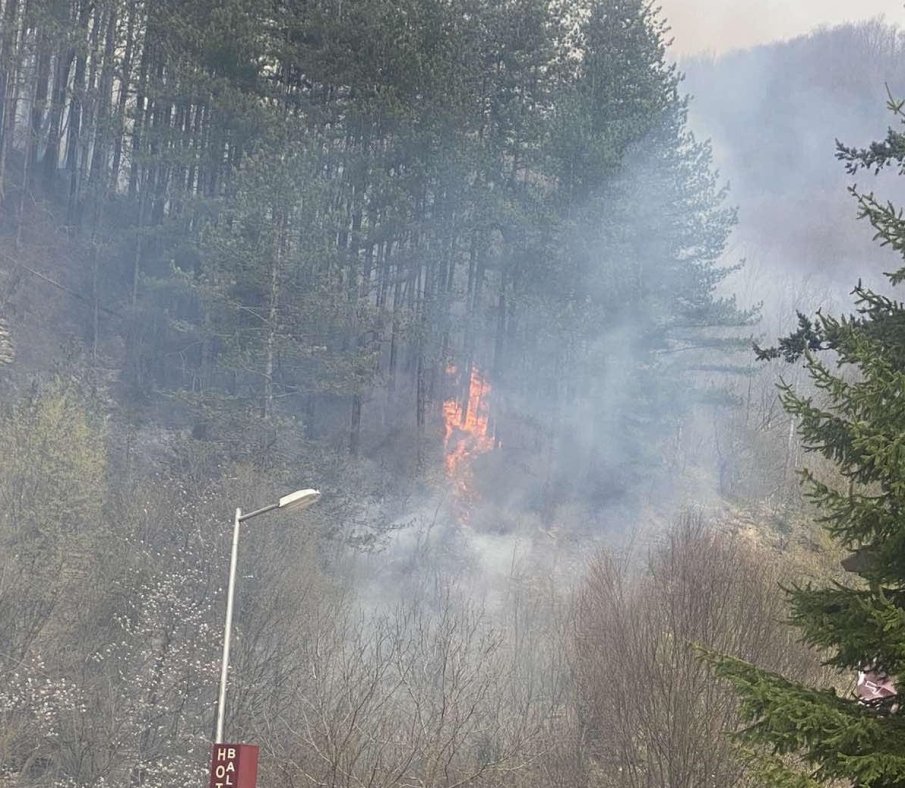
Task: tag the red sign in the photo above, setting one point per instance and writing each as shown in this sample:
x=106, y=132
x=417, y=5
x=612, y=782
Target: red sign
x=234, y=766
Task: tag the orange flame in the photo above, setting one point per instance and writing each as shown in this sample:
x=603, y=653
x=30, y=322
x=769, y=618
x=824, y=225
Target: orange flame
x=467, y=431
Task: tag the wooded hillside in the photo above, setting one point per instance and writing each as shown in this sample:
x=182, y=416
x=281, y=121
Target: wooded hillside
x=462, y=266
x=334, y=213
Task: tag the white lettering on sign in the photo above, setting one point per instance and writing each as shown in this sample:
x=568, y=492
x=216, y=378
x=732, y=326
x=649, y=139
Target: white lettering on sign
x=225, y=771
x=225, y=765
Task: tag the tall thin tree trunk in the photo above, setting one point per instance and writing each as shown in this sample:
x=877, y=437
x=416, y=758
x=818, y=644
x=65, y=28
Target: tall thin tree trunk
x=141, y=116
x=9, y=68
x=97, y=180
x=136, y=260
x=55, y=126
x=280, y=225
x=38, y=106
x=76, y=109
x=124, y=86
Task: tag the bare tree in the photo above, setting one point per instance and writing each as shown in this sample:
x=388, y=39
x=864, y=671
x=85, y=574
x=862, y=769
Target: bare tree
x=651, y=714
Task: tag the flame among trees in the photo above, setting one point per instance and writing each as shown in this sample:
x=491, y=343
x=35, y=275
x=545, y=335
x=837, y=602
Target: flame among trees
x=467, y=431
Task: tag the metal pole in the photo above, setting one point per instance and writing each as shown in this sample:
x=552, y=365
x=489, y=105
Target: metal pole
x=227, y=629
x=256, y=512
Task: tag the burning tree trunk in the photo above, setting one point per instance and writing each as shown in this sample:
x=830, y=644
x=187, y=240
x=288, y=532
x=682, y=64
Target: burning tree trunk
x=467, y=432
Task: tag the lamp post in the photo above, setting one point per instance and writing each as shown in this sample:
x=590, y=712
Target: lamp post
x=300, y=499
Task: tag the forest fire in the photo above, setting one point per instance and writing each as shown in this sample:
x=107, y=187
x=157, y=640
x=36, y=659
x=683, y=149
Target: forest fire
x=467, y=431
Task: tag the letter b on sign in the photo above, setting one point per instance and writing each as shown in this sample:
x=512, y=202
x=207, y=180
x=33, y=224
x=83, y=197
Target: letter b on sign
x=234, y=766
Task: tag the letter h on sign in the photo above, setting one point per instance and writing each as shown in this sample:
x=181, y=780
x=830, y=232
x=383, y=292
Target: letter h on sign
x=234, y=766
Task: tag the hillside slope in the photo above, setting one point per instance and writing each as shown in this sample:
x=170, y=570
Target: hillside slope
x=774, y=114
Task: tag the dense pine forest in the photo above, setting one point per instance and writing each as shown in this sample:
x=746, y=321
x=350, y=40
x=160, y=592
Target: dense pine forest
x=332, y=219
x=464, y=267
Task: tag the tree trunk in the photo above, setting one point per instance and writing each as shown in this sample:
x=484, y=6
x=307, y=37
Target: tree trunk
x=40, y=100
x=125, y=82
x=97, y=180
x=280, y=220
x=9, y=66
x=55, y=124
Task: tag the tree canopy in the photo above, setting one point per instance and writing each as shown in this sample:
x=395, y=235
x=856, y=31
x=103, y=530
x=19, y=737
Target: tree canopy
x=318, y=211
x=857, y=422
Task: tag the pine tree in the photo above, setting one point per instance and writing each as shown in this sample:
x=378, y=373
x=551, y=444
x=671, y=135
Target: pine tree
x=624, y=296
x=858, y=424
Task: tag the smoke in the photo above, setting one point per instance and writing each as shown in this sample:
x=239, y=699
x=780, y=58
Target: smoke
x=714, y=26
x=633, y=453
x=774, y=113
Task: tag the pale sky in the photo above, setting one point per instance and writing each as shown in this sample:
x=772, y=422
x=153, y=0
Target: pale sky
x=714, y=26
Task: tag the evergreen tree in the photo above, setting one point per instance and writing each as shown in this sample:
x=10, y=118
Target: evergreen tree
x=858, y=423
x=323, y=207
x=624, y=296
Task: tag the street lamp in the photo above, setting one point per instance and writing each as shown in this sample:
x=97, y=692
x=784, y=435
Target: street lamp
x=300, y=499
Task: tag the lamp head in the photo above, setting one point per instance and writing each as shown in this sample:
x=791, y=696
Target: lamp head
x=300, y=499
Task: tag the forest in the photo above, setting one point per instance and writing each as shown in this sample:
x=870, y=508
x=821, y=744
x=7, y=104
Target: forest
x=471, y=270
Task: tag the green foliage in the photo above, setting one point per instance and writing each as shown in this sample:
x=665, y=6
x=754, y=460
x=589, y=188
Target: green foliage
x=621, y=306
x=52, y=478
x=52, y=489
x=858, y=425
x=313, y=211
x=794, y=346
x=834, y=734
x=773, y=770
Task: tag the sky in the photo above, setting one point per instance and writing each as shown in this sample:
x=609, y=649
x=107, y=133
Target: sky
x=715, y=26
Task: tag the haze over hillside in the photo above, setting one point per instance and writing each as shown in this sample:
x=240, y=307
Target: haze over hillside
x=774, y=113
x=717, y=26
x=460, y=266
